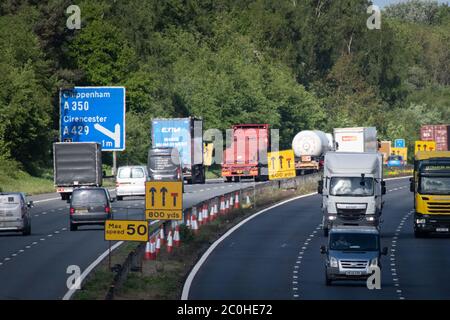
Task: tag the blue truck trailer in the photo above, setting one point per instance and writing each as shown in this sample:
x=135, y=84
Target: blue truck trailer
x=186, y=134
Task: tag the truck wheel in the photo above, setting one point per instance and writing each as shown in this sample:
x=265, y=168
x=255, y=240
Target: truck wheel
x=63, y=196
x=325, y=232
x=27, y=230
x=227, y=179
x=237, y=179
x=73, y=227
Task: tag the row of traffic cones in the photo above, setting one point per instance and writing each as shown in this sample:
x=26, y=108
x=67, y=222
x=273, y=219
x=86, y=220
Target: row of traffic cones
x=153, y=246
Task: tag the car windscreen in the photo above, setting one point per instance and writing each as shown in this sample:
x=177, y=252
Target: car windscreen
x=353, y=241
x=162, y=163
x=352, y=187
x=130, y=173
x=89, y=196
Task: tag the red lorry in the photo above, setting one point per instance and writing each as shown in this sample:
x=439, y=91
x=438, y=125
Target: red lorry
x=438, y=133
x=246, y=157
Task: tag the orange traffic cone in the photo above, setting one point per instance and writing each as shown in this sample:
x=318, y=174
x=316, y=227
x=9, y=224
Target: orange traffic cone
x=194, y=224
x=148, y=255
x=157, y=246
x=211, y=214
x=231, y=202
x=222, y=205
x=236, y=202
x=205, y=214
x=200, y=217
x=188, y=221
x=169, y=242
x=161, y=235
x=176, y=236
x=227, y=205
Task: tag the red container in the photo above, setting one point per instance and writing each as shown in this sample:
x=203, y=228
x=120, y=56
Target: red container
x=438, y=133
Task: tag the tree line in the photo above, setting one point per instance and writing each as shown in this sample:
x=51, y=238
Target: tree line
x=310, y=64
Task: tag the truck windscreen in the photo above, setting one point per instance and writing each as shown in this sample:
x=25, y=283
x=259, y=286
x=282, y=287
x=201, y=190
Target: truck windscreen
x=435, y=185
x=353, y=242
x=352, y=186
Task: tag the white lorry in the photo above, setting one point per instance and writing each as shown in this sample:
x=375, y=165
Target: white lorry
x=352, y=189
x=359, y=139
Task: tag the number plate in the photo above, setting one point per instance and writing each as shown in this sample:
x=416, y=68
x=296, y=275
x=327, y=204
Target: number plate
x=353, y=273
x=81, y=211
x=441, y=229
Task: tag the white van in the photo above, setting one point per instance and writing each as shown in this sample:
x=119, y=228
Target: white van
x=14, y=214
x=130, y=181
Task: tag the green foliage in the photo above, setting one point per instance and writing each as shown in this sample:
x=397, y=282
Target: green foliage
x=293, y=64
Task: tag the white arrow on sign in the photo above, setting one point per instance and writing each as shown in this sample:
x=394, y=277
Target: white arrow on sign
x=113, y=135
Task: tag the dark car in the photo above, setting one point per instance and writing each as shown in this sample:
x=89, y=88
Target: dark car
x=90, y=206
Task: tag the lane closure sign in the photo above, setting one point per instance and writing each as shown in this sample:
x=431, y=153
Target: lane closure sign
x=164, y=200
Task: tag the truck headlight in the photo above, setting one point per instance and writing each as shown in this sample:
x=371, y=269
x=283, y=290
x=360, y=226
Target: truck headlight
x=333, y=262
x=420, y=221
x=370, y=218
x=374, y=262
x=331, y=217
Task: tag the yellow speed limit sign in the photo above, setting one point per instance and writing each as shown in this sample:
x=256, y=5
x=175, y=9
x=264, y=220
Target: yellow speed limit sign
x=126, y=230
x=164, y=200
x=281, y=164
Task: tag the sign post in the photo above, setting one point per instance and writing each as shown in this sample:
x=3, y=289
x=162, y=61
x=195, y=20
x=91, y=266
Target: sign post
x=93, y=114
x=164, y=200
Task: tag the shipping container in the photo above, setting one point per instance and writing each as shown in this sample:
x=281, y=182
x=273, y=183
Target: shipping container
x=438, y=133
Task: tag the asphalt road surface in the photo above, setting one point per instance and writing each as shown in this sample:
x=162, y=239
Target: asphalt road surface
x=34, y=267
x=276, y=255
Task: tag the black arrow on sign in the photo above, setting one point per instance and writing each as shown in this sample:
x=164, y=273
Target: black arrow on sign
x=163, y=191
x=174, y=197
x=153, y=191
x=273, y=162
x=281, y=161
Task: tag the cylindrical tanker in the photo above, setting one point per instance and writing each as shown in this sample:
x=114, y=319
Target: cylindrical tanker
x=312, y=143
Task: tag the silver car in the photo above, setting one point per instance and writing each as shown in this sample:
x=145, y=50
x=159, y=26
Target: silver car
x=14, y=213
x=130, y=181
x=351, y=252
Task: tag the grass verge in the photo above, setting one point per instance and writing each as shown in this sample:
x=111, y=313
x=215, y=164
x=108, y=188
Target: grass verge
x=163, y=279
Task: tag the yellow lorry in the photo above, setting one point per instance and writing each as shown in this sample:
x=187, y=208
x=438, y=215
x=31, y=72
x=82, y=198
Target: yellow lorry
x=431, y=187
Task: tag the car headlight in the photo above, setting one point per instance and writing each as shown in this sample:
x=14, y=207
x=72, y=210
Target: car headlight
x=419, y=221
x=374, y=262
x=333, y=262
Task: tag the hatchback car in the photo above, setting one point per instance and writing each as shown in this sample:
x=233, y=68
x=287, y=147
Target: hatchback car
x=14, y=213
x=90, y=206
x=130, y=181
x=395, y=161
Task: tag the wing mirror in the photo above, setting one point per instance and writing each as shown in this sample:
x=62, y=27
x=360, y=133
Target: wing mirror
x=320, y=187
x=323, y=249
x=411, y=185
x=383, y=187
x=30, y=204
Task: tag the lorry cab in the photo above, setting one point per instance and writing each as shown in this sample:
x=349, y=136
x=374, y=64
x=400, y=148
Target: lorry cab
x=431, y=187
x=352, y=189
x=14, y=213
x=351, y=252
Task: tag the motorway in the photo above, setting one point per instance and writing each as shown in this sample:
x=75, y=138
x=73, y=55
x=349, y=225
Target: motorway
x=34, y=267
x=276, y=255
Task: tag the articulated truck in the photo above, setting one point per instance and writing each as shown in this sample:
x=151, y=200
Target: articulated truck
x=185, y=134
x=246, y=157
x=309, y=148
x=352, y=189
x=76, y=164
x=431, y=187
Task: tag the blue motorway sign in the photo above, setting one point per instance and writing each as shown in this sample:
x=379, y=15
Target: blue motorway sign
x=93, y=114
x=399, y=143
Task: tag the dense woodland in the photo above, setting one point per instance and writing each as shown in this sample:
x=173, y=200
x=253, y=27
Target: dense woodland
x=297, y=64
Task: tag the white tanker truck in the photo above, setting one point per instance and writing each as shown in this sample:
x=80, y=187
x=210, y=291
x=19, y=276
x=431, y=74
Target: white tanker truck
x=309, y=148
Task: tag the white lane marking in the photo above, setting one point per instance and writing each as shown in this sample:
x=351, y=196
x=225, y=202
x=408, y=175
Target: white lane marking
x=86, y=272
x=193, y=273
x=7, y=259
x=46, y=200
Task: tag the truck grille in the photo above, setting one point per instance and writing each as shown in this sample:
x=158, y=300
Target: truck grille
x=351, y=214
x=354, y=265
x=438, y=207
